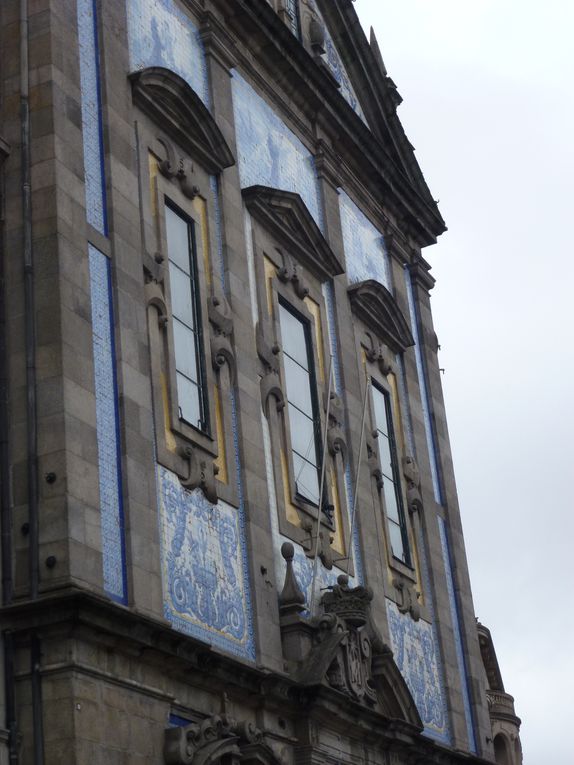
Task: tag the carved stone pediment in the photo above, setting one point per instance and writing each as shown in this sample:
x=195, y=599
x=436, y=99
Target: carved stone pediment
x=344, y=651
x=175, y=106
x=378, y=309
x=286, y=217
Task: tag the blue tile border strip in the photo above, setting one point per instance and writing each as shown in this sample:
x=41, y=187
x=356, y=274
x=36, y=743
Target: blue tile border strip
x=349, y=487
x=92, y=130
x=107, y=426
x=425, y=396
x=457, y=629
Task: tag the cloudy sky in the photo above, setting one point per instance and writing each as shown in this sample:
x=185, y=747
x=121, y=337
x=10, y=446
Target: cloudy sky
x=488, y=104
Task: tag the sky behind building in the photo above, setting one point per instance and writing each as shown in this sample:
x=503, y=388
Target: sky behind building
x=487, y=88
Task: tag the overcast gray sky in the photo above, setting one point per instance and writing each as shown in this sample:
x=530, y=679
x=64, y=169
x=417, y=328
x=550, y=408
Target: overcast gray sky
x=487, y=88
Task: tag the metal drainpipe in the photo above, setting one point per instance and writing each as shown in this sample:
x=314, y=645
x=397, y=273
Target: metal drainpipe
x=29, y=306
x=5, y=495
x=32, y=415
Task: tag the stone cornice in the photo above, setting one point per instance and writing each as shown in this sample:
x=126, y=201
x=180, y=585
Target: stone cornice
x=85, y=615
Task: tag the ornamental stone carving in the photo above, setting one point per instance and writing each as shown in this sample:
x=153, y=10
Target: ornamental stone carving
x=201, y=473
x=412, y=475
x=342, y=649
x=213, y=740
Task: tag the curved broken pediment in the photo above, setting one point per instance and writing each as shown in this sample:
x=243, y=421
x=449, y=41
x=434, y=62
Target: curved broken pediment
x=173, y=105
x=286, y=217
x=377, y=308
x=348, y=655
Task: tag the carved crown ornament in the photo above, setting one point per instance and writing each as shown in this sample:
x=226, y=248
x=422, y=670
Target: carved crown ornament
x=376, y=307
x=171, y=102
x=286, y=217
x=340, y=648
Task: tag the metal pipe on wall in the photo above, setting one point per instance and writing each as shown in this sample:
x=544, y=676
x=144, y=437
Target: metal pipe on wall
x=29, y=305
x=5, y=494
x=31, y=401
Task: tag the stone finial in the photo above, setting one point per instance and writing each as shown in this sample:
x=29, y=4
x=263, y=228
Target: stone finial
x=291, y=598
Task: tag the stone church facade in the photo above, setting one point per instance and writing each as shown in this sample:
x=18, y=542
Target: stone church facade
x=229, y=521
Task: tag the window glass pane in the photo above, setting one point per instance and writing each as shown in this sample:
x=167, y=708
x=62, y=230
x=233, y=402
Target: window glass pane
x=181, y=298
x=385, y=455
x=188, y=400
x=293, y=337
x=391, y=505
x=397, y=545
x=298, y=386
x=177, y=239
x=185, y=358
x=306, y=479
x=380, y=411
x=302, y=434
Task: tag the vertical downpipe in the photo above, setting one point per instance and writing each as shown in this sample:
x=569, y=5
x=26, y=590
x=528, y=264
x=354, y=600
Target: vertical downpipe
x=5, y=494
x=32, y=414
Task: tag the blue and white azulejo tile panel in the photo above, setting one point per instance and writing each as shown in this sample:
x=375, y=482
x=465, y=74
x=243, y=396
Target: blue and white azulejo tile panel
x=269, y=154
x=107, y=427
x=416, y=653
x=205, y=569
x=91, y=116
x=456, y=623
x=337, y=68
x=162, y=34
x=365, y=253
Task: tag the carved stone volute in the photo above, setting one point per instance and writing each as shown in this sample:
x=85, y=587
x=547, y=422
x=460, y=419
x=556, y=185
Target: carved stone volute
x=201, y=473
x=218, y=738
x=412, y=475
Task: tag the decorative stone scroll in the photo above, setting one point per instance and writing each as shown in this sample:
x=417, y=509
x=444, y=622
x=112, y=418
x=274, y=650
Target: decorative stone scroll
x=219, y=738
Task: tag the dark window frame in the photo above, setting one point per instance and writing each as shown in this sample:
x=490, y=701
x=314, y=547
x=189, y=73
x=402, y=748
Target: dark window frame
x=396, y=480
x=198, y=330
x=317, y=429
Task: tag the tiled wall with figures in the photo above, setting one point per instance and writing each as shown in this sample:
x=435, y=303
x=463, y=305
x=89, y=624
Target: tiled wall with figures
x=417, y=655
x=268, y=153
x=205, y=567
x=162, y=34
x=365, y=253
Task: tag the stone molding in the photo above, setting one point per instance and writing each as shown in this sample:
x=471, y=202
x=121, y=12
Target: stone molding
x=376, y=307
x=286, y=217
x=170, y=102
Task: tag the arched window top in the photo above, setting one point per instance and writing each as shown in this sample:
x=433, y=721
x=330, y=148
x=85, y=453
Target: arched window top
x=377, y=308
x=501, y=752
x=173, y=104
